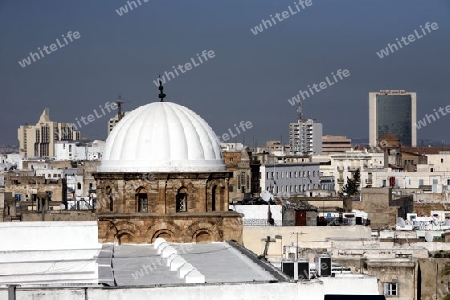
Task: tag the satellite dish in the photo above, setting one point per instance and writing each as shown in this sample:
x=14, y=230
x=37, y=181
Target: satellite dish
x=428, y=237
x=401, y=222
x=266, y=196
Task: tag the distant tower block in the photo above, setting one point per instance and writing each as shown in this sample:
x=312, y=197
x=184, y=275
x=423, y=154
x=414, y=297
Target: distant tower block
x=393, y=112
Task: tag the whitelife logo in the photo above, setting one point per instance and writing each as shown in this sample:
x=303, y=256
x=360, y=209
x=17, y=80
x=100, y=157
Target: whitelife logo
x=187, y=66
x=124, y=9
x=71, y=36
x=281, y=17
x=319, y=87
x=411, y=38
x=430, y=118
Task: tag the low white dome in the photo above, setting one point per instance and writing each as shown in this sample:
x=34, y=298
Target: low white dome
x=162, y=137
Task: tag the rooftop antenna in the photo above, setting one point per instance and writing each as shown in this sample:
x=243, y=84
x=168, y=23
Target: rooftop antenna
x=119, y=103
x=299, y=110
x=161, y=88
x=119, y=107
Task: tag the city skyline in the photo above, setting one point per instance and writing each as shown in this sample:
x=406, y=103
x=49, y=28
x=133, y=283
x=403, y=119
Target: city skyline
x=252, y=77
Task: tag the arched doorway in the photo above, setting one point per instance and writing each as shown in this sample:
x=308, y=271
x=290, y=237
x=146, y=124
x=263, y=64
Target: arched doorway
x=165, y=234
x=202, y=236
x=124, y=238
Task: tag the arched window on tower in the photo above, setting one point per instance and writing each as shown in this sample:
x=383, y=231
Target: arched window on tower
x=142, y=199
x=213, y=198
x=109, y=196
x=181, y=199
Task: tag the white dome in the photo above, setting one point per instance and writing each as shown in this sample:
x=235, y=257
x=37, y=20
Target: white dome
x=162, y=137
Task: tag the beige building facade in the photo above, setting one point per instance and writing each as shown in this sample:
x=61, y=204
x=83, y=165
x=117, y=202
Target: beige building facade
x=39, y=140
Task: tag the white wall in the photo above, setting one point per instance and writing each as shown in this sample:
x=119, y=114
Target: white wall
x=289, y=184
x=309, y=290
x=256, y=215
x=48, y=252
x=70, y=150
x=440, y=162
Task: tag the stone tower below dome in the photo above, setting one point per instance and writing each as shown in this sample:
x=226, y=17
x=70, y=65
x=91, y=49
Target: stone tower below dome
x=163, y=175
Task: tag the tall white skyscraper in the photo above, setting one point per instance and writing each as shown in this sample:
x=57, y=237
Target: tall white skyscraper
x=393, y=112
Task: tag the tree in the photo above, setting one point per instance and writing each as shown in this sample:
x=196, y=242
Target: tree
x=351, y=187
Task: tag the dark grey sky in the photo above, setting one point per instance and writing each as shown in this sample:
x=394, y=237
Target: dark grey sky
x=251, y=76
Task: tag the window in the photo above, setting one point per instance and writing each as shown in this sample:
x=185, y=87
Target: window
x=142, y=200
x=435, y=181
x=181, y=199
x=242, y=179
x=442, y=160
x=231, y=159
x=390, y=289
x=420, y=182
x=109, y=194
x=448, y=181
x=79, y=186
x=431, y=169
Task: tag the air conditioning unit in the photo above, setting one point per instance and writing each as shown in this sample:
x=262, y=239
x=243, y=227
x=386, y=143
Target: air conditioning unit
x=296, y=269
x=303, y=269
x=323, y=265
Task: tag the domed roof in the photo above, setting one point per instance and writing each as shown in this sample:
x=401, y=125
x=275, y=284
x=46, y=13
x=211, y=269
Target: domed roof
x=162, y=137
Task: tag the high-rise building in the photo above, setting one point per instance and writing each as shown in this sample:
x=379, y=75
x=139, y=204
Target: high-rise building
x=393, y=112
x=305, y=136
x=114, y=120
x=39, y=140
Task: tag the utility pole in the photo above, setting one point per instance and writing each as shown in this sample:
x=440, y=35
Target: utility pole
x=296, y=245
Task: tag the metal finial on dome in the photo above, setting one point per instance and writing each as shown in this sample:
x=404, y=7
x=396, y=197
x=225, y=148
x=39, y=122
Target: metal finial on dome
x=161, y=88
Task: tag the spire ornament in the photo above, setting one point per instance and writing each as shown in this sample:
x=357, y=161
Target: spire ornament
x=161, y=88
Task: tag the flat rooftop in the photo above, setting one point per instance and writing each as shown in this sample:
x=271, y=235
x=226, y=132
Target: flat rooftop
x=141, y=265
